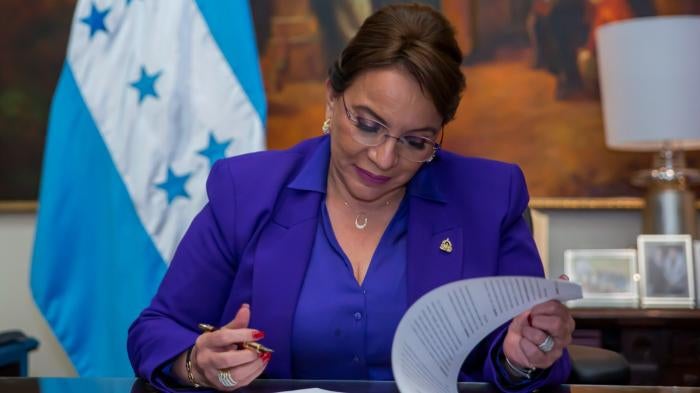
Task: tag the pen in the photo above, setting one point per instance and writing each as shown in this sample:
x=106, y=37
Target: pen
x=257, y=347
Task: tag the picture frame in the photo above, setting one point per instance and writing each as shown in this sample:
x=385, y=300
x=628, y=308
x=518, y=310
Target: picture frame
x=608, y=277
x=696, y=265
x=667, y=271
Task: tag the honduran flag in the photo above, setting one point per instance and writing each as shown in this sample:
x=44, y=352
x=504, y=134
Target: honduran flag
x=151, y=94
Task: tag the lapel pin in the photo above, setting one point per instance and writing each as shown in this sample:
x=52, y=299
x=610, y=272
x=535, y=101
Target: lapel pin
x=446, y=246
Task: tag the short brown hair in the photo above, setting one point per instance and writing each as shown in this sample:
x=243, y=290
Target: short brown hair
x=415, y=37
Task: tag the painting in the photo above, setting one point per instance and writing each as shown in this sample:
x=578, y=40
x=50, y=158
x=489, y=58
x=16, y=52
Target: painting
x=531, y=99
x=532, y=91
x=33, y=47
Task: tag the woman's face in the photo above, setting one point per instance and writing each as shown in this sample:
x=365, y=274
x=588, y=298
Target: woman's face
x=392, y=98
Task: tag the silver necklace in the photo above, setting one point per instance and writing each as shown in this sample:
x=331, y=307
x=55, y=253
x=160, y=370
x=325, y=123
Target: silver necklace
x=361, y=218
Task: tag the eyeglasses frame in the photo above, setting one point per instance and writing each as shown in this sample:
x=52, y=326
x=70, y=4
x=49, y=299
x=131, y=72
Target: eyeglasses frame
x=353, y=119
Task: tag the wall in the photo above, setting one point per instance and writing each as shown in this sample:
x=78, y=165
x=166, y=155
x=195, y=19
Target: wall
x=586, y=229
x=17, y=308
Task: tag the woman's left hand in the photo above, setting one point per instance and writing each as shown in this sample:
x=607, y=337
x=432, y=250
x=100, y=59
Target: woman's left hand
x=525, y=346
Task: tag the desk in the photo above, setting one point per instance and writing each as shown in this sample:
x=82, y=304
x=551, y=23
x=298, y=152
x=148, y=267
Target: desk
x=128, y=385
x=661, y=345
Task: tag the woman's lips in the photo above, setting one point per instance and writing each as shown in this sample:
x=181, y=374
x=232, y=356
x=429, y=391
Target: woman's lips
x=370, y=178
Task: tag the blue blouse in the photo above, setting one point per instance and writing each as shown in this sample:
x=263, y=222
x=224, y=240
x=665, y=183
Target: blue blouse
x=344, y=330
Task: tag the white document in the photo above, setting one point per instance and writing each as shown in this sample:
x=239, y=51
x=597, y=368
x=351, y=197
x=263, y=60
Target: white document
x=439, y=330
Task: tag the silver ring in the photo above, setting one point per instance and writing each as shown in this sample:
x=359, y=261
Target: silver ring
x=547, y=345
x=226, y=379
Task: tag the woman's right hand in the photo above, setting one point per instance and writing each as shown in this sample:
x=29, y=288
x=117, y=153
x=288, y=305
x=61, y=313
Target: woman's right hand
x=218, y=350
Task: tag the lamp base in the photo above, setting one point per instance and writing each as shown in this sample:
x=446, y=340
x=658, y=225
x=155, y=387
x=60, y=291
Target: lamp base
x=670, y=204
x=670, y=211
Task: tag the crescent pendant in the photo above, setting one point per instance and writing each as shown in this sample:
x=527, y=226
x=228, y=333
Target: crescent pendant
x=361, y=221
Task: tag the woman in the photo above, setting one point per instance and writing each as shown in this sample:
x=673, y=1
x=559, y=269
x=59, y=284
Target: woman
x=324, y=246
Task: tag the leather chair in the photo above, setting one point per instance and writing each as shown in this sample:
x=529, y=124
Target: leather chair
x=591, y=365
x=597, y=366
x=14, y=351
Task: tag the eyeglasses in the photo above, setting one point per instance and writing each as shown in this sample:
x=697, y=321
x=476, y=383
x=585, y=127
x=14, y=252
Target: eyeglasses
x=373, y=133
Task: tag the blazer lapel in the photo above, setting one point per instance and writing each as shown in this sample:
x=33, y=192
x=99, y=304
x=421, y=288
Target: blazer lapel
x=281, y=258
x=430, y=263
x=431, y=222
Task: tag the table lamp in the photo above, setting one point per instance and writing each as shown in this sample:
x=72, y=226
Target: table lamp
x=650, y=89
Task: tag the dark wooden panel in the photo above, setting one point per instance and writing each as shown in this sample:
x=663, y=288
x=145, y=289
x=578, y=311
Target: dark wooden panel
x=662, y=345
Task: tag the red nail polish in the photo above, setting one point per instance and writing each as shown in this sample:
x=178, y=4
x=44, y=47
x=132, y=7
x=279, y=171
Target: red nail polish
x=257, y=335
x=266, y=356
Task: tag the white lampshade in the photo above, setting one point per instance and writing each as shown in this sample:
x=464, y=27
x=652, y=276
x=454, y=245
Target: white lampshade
x=650, y=82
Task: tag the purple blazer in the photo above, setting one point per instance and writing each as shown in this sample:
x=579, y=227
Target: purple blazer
x=251, y=244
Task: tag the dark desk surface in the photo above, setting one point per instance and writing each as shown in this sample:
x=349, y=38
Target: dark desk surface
x=128, y=385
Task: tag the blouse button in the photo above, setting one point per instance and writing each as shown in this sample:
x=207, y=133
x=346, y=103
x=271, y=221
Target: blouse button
x=358, y=316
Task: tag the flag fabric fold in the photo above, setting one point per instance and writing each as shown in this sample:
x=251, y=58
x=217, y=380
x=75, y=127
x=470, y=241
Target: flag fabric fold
x=151, y=94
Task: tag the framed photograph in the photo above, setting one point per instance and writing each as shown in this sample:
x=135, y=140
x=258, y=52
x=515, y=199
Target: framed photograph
x=666, y=269
x=608, y=277
x=696, y=266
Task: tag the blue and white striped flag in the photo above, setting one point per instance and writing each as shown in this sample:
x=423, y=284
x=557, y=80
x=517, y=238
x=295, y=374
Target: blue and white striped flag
x=151, y=94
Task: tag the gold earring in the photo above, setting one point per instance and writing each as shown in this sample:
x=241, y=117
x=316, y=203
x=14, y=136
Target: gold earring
x=326, y=127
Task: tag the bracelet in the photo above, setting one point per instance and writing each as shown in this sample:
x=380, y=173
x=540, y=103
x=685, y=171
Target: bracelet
x=519, y=372
x=188, y=366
